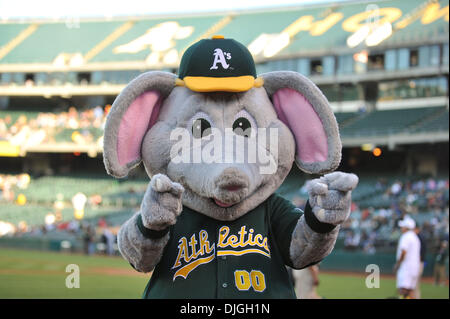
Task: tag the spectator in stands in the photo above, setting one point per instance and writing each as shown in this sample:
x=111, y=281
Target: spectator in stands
x=381, y=184
x=368, y=244
x=108, y=239
x=46, y=125
x=102, y=223
x=3, y=130
x=439, y=263
x=378, y=227
x=407, y=266
x=98, y=116
x=89, y=240
x=396, y=189
x=351, y=241
x=73, y=226
x=6, y=185
x=431, y=184
x=29, y=82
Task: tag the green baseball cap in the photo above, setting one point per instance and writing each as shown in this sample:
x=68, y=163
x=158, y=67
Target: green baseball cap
x=218, y=64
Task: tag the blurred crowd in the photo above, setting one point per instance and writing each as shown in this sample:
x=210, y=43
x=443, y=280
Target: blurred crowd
x=45, y=126
x=424, y=194
x=425, y=200
x=12, y=185
x=93, y=238
x=371, y=230
x=8, y=183
x=368, y=229
x=376, y=229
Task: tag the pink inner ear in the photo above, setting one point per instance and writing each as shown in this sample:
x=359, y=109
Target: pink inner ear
x=137, y=120
x=297, y=113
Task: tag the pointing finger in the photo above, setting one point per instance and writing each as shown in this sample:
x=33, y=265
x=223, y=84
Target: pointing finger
x=177, y=189
x=316, y=187
x=162, y=184
x=340, y=181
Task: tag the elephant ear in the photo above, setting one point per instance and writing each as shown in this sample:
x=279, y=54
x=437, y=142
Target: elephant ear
x=301, y=105
x=132, y=114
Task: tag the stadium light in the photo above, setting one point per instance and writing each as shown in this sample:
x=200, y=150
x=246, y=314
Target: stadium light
x=79, y=214
x=78, y=202
x=361, y=57
x=376, y=152
x=367, y=147
x=49, y=219
x=6, y=228
x=59, y=202
x=21, y=199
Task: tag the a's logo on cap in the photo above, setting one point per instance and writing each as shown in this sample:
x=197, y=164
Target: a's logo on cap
x=219, y=57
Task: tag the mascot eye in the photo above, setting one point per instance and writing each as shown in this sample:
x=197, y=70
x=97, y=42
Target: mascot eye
x=201, y=128
x=242, y=126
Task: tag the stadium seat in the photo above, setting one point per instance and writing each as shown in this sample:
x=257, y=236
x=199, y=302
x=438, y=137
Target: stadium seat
x=387, y=122
x=437, y=123
x=68, y=39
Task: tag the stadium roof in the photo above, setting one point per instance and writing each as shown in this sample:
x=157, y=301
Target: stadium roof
x=158, y=42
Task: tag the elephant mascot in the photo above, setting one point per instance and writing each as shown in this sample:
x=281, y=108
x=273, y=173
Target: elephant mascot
x=217, y=141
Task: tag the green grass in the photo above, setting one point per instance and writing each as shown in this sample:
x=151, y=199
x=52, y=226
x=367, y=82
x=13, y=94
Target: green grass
x=35, y=274
x=346, y=286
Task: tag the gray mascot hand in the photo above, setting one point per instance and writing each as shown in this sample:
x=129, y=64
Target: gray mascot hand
x=330, y=196
x=162, y=203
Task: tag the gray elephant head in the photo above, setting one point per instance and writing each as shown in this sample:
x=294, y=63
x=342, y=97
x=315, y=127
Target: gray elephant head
x=144, y=118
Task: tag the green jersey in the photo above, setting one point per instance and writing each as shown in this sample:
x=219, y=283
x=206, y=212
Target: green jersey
x=244, y=258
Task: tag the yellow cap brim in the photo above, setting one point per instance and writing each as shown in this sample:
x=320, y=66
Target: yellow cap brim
x=210, y=84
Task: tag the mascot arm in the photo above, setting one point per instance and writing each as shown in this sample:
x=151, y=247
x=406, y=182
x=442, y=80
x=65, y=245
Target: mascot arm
x=328, y=206
x=141, y=252
x=142, y=238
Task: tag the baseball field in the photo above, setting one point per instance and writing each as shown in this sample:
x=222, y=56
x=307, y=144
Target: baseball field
x=35, y=274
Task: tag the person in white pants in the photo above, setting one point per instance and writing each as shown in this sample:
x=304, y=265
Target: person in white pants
x=407, y=266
